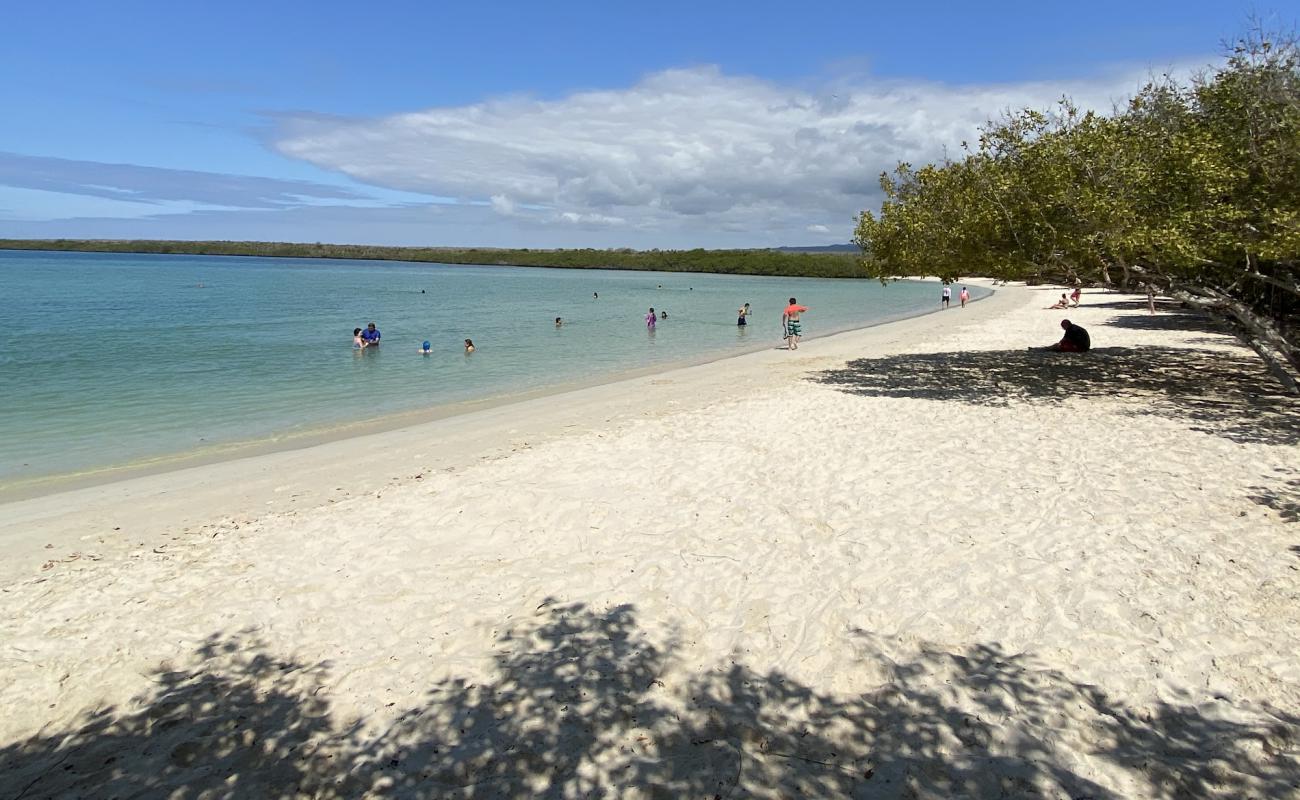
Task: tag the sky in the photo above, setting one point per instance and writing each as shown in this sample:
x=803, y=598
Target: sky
x=535, y=124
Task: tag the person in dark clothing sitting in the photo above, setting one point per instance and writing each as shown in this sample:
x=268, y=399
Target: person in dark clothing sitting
x=1075, y=340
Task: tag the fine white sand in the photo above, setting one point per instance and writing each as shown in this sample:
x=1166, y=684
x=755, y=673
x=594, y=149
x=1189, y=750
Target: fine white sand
x=911, y=561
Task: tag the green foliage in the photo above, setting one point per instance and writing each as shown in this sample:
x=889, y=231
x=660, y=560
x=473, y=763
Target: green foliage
x=738, y=262
x=1193, y=189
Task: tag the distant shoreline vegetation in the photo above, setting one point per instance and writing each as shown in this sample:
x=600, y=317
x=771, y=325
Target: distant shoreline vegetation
x=727, y=262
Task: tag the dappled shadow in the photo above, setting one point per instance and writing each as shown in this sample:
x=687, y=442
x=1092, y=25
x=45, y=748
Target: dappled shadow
x=581, y=706
x=1139, y=305
x=1170, y=320
x=1214, y=392
x=1284, y=499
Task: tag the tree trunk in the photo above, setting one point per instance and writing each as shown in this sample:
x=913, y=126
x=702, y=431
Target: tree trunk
x=1264, y=337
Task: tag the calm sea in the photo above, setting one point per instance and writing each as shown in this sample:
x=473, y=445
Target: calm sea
x=112, y=360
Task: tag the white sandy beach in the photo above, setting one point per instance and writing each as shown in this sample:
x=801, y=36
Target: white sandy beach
x=909, y=561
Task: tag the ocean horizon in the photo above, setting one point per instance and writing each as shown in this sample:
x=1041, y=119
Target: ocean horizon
x=120, y=360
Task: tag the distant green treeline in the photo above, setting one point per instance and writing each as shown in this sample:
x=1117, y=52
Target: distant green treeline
x=737, y=262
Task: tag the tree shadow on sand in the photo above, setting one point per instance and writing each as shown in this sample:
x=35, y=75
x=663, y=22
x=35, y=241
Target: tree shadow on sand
x=578, y=707
x=1214, y=392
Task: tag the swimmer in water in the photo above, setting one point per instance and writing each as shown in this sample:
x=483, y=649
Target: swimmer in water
x=357, y=342
x=663, y=315
x=425, y=348
x=469, y=346
x=558, y=322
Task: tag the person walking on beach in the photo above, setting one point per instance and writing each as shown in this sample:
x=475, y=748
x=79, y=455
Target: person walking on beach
x=964, y=296
x=947, y=294
x=742, y=315
x=651, y=319
x=791, y=321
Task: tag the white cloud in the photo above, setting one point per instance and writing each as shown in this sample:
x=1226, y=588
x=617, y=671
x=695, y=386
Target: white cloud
x=680, y=152
x=503, y=205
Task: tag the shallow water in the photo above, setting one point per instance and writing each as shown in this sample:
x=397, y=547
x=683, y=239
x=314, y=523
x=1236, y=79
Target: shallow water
x=116, y=359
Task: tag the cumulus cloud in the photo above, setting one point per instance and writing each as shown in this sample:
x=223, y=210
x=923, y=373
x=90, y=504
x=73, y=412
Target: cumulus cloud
x=686, y=149
x=503, y=205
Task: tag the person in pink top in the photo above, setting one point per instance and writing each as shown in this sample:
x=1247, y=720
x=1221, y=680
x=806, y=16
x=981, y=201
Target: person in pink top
x=651, y=319
x=793, y=327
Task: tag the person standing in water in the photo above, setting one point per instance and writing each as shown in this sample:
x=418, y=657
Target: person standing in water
x=558, y=322
x=742, y=315
x=357, y=342
x=791, y=320
x=469, y=346
x=651, y=319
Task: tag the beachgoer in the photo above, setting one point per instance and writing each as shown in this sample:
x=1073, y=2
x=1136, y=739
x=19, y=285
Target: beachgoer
x=469, y=346
x=663, y=315
x=964, y=296
x=947, y=295
x=1064, y=302
x=425, y=349
x=371, y=335
x=358, y=343
x=790, y=321
x=651, y=319
x=1075, y=340
x=1151, y=298
x=1075, y=295
x=595, y=295
x=742, y=315
x=558, y=322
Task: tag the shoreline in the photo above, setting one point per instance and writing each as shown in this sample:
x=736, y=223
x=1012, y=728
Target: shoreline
x=154, y=499
x=44, y=485
x=1052, y=574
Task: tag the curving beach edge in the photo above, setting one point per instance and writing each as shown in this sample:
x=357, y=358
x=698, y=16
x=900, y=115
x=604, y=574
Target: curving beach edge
x=915, y=555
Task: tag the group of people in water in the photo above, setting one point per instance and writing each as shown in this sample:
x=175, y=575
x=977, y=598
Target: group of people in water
x=791, y=326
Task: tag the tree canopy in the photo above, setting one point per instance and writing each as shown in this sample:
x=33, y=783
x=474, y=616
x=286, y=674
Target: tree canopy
x=1192, y=188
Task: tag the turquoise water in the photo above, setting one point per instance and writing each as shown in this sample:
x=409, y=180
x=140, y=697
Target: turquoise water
x=116, y=359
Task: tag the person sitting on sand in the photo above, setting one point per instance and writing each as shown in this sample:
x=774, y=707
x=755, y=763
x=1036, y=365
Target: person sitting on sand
x=1064, y=302
x=1075, y=340
x=793, y=327
x=469, y=346
x=371, y=335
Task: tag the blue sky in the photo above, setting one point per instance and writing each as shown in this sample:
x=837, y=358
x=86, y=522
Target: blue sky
x=538, y=124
